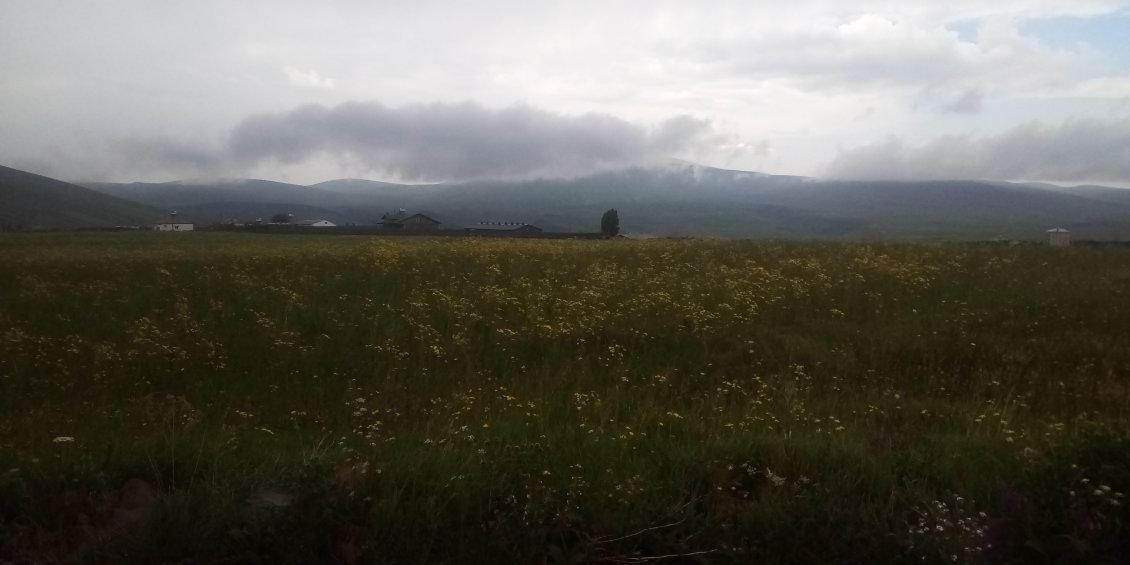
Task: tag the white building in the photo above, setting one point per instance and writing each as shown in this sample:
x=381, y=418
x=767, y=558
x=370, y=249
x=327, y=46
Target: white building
x=173, y=226
x=317, y=223
x=1059, y=237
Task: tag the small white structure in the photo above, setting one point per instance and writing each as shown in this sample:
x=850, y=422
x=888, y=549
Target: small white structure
x=317, y=223
x=171, y=226
x=1059, y=237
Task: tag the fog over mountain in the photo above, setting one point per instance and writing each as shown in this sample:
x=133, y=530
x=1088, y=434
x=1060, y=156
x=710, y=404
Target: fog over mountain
x=1086, y=149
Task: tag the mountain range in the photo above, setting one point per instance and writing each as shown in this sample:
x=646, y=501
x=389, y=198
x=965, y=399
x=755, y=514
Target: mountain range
x=678, y=199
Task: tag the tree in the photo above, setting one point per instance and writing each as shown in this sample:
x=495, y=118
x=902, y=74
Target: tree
x=281, y=218
x=610, y=223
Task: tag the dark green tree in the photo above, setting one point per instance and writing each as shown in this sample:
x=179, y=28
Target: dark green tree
x=610, y=223
x=281, y=218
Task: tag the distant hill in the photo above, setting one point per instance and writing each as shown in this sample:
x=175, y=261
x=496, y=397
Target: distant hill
x=29, y=202
x=360, y=186
x=181, y=194
x=1102, y=193
x=680, y=199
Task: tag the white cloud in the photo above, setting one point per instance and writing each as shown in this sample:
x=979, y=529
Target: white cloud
x=874, y=51
x=308, y=78
x=1115, y=86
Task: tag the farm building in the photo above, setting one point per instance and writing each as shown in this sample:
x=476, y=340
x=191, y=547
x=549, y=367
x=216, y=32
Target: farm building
x=1059, y=237
x=503, y=228
x=404, y=221
x=174, y=226
x=316, y=223
x=173, y=223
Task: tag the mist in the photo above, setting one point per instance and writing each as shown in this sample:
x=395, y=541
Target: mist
x=1078, y=150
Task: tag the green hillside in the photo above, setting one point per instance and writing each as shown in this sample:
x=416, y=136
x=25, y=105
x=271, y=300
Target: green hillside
x=34, y=202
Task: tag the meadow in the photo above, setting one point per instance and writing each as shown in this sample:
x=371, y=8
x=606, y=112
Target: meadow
x=201, y=398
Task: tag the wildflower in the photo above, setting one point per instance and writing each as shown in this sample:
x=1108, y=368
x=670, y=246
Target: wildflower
x=64, y=439
x=777, y=480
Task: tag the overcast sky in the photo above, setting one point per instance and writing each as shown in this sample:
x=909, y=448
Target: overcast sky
x=431, y=90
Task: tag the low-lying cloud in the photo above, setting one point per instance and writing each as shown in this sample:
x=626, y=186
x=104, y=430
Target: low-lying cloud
x=431, y=142
x=1080, y=150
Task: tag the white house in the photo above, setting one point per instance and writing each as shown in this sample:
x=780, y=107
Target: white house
x=1059, y=237
x=173, y=226
x=316, y=223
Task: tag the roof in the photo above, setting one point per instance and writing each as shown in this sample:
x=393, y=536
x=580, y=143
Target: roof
x=500, y=226
x=402, y=216
x=173, y=217
x=311, y=222
x=1058, y=230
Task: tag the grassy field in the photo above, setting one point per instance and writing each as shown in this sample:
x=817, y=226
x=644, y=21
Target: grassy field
x=198, y=398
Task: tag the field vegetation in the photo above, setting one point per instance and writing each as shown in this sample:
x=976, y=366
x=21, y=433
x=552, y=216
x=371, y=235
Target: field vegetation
x=191, y=398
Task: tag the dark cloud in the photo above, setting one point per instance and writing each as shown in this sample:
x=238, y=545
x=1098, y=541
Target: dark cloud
x=460, y=141
x=1081, y=150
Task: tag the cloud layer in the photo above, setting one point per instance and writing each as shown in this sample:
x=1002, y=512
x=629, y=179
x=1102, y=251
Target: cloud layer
x=460, y=141
x=1074, y=151
x=596, y=82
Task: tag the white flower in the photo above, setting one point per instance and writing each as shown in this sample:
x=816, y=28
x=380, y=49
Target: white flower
x=64, y=439
x=777, y=480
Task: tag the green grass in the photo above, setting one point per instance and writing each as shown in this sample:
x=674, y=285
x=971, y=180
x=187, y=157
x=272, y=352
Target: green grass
x=504, y=401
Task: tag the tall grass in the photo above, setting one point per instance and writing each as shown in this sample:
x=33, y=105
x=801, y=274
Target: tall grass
x=438, y=400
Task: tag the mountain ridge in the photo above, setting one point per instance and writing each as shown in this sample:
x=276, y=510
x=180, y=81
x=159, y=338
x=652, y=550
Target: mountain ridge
x=31, y=202
x=677, y=199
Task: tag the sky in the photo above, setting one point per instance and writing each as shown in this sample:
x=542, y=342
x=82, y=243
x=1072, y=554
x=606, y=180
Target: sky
x=447, y=90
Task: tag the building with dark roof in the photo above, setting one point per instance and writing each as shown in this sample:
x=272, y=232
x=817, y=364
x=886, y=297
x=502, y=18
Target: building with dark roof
x=503, y=228
x=402, y=220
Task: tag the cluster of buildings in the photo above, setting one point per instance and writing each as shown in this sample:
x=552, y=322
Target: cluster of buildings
x=403, y=221
x=399, y=222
